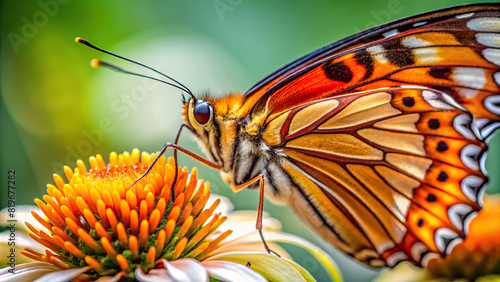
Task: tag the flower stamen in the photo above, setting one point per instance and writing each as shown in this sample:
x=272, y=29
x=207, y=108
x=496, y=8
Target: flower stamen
x=74, y=250
x=31, y=254
x=97, y=219
x=122, y=235
x=179, y=248
x=150, y=259
x=134, y=247
x=134, y=222
x=125, y=212
x=143, y=233
x=94, y=264
x=122, y=262
x=160, y=242
x=108, y=248
x=169, y=229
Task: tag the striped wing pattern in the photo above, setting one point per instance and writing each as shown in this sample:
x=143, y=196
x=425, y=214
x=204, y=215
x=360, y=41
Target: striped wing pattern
x=368, y=36
x=458, y=54
x=385, y=175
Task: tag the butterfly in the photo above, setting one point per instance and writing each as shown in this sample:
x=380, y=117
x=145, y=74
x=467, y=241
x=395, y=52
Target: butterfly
x=376, y=141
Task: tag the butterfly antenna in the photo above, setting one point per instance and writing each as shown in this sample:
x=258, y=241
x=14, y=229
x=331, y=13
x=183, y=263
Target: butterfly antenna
x=98, y=63
x=182, y=86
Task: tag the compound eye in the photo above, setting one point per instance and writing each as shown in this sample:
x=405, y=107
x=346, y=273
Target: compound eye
x=202, y=112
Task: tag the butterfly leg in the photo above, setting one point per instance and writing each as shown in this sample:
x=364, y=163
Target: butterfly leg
x=176, y=147
x=260, y=211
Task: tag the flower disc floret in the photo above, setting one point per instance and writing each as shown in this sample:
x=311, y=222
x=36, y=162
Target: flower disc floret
x=97, y=221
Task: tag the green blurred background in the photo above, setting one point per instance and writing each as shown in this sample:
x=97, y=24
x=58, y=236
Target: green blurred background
x=55, y=108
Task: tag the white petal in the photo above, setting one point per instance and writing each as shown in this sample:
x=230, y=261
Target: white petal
x=250, y=216
x=186, y=270
x=30, y=265
x=323, y=258
x=22, y=240
x=231, y=271
x=27, y=271
x=271, y=267
x=27, y=275
x=153, y=275
x=63, y=275
x=23, y=214
x=307, y=276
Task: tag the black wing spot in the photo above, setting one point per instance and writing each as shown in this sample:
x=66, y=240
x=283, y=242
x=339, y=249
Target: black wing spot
x=431, y=198
x=420, y=222
x=433, y=123
x=338, y=71
x=409, y=101
x=442, y=177
x=441, y=146
x=440, y=72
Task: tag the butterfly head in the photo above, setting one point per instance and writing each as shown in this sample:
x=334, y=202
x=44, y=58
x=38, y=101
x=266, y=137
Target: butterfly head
x=200, y=114
x=208, y=118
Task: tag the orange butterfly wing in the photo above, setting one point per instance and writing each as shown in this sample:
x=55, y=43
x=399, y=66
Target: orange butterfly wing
x=384, y=141
x=361, y=38
x=458, y=54
x=386, y=175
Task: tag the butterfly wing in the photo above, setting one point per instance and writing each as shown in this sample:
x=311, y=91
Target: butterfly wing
x=383, y=134
x=367, y=36
x=456, y=51
x=385, y=175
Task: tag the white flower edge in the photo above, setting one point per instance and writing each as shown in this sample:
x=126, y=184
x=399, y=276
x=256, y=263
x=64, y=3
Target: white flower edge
x=271, y=267
x=22, y=215
x=63, y=275
x=37, y=270
x=220, y=269
x=184, y=270
x=329, y=265
x=230, y=271
x=177, y=270
x=271, y=236
x=22, y=240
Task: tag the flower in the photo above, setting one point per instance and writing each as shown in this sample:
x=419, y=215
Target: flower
x=98, y=227
x=478, y=256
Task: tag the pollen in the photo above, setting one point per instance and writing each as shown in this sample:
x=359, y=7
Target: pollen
x=97, y=219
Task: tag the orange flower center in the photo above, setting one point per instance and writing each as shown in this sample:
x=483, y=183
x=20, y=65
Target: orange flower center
x=98, y=220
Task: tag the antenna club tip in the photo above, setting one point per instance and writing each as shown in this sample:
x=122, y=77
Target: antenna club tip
x=95, y=63
x=79, y=40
